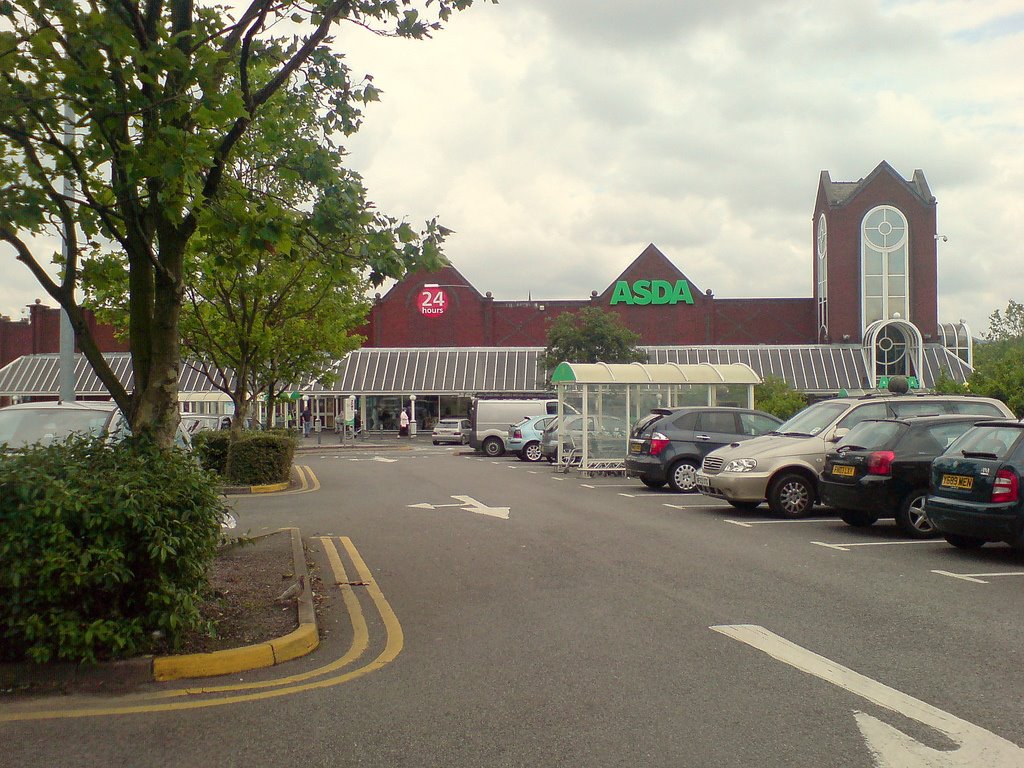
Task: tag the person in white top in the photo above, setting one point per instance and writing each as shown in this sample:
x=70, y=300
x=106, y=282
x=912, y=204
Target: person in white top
x=403, y=424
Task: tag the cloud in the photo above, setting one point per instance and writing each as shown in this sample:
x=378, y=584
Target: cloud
x=558, y=139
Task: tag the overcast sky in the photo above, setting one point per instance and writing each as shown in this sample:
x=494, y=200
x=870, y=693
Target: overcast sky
x=559, y=137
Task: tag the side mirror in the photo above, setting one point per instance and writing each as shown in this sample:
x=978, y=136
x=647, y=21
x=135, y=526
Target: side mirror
x=838, y=435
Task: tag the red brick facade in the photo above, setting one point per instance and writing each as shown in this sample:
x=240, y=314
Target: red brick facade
x=473, y=319
x=40, y=334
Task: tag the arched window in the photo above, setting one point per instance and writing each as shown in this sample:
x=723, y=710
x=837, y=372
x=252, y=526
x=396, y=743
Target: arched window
x=822, y=277
x=884, y=265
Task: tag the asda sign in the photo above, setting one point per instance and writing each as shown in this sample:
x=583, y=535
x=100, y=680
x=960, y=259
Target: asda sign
x=645, y=292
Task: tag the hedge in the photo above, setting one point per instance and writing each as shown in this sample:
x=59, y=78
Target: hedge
x=102, y=548
x=211, y=448
x=260, y=458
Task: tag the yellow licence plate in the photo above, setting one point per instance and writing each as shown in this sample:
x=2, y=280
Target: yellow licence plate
x=842, y=470
x=635, y=447
x=957, y=481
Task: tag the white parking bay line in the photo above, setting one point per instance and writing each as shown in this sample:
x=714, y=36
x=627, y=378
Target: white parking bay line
x=974, y=576
x=846, y=547
x=752, y=523
x=591, y=487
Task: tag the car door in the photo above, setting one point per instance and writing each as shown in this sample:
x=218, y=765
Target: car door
x=714, y=429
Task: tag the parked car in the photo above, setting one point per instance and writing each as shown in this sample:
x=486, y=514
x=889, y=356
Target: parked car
x=599, y=428
x=783, y=467
x=669, y=444
x=975, y=487
x=882, y=467
x=490, y=418
x=524, y=437
x=452, y=431
x=47, y=422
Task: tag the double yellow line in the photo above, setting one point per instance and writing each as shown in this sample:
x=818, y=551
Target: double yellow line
x=285, y=686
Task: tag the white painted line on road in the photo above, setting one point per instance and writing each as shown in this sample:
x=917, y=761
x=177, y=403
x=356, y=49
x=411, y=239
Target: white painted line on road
x=752, y=523
x=846, y=547
x=559, y=479
x=587, y=486
x=974, y=576
x=533, y=471
x=890, y=747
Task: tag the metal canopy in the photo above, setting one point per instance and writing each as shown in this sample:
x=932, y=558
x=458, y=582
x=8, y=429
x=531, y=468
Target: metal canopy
x=809, y=368
x=647, y=373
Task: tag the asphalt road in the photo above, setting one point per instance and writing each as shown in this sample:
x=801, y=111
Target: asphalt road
x=600, y=624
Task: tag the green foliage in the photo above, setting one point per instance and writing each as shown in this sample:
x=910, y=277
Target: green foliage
x=100, y=546
x=946, y=385
x=259, y=458
x=591, y=336
x=773, y=395
x=165, y=97
x=999, y=372
x=1007, y=325
x=211, y=448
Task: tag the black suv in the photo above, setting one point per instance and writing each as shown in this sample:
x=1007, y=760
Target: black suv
x=669, y=444
x=881, y=469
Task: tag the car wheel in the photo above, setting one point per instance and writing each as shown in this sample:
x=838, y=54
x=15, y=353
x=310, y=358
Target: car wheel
x=652, y=483
x=857, y=518
x=531, y=452
x=911, y=517
x=682, y=476
x=791, y=496
x=744, y=504
x=436, y=443
x=493, y=447
x=963, y=542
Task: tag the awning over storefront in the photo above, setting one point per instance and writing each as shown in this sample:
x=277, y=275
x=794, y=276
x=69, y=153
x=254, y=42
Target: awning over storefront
x=816, y=369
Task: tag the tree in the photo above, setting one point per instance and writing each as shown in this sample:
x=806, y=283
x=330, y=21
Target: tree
x=160, y=96
x=591, y=336
x=774, y=395
x=1007, y=325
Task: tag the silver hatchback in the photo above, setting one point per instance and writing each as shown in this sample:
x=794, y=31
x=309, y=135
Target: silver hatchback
x=451, y=431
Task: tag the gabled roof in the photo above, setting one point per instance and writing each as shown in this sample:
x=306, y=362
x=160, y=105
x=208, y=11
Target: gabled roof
x=651, y=264
x=841, y=192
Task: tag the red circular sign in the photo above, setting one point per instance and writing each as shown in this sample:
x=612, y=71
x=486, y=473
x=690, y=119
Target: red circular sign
x=432, y=302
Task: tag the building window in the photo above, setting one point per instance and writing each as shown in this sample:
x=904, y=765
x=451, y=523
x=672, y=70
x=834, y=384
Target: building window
x=884, y=270
x=822, y=278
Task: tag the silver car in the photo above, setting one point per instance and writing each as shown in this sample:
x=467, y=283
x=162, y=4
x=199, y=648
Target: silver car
x=452, y=431
x=44, y=423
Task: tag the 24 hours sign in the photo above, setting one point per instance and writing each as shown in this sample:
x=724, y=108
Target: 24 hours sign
x=432, y=302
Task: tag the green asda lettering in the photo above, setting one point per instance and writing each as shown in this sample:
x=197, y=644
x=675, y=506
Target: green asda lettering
x=645, y=292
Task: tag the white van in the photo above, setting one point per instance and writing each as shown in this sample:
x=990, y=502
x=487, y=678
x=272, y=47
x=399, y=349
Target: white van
x=490, y=419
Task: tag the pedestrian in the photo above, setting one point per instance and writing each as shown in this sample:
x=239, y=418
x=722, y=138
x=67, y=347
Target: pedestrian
x=403, y=424
x=306, y=417
x=357, y=425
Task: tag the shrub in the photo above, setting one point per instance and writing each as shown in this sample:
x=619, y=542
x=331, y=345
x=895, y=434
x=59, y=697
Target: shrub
x=775, y=396
x=100, y=547
x=212, y=449
x=260, y=459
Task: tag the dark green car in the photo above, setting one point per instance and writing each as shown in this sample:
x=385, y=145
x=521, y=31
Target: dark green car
x=974, y=494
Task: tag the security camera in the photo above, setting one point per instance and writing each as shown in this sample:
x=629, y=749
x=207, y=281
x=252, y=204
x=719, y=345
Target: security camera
x=943, y=238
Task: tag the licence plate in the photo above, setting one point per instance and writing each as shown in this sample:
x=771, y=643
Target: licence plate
x=703, y=484
x=957, y=481
x=842, y=470
x=635, y=447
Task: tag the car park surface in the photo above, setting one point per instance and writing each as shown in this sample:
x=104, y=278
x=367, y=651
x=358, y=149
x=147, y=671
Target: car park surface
x=783, y=467
x=976, y=487
x=881, y=468
x=669, y=444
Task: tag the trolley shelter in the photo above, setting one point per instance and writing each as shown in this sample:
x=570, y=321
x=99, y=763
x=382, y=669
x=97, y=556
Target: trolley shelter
x=597, y=403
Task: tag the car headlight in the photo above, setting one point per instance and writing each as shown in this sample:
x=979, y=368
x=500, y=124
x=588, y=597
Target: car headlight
x=740, y=465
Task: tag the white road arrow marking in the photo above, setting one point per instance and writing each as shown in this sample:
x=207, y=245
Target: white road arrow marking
x=467, y=504
x=890, y=747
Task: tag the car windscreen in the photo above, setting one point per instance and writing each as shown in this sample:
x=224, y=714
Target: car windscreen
x=986, y=441
x=869, y=436
x=813, y=419
x=20, y=427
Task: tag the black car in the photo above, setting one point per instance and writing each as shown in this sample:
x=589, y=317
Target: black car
x=882, y=466
x=669, y=444
x=975, y=487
